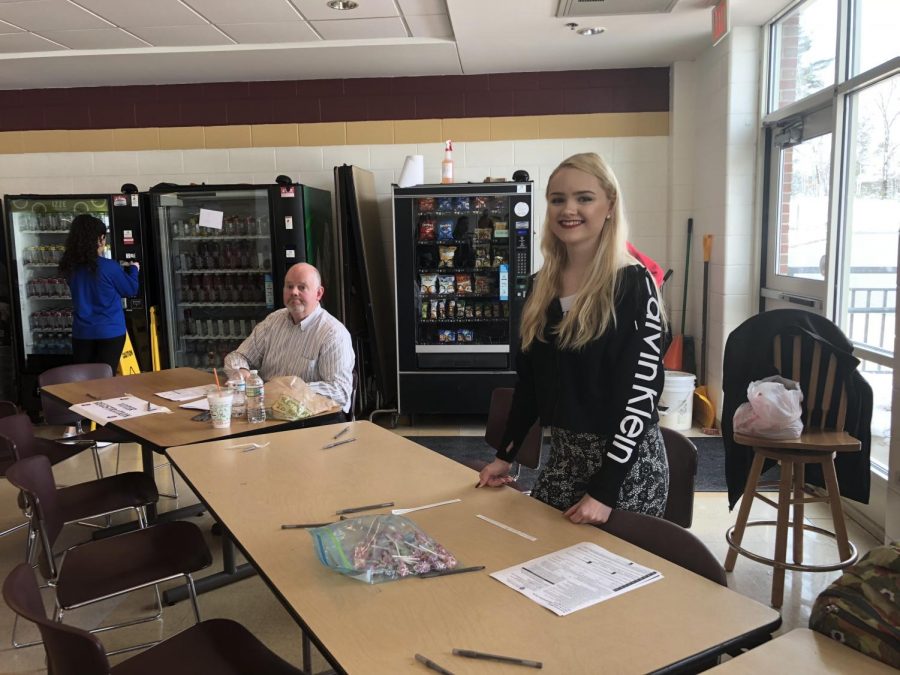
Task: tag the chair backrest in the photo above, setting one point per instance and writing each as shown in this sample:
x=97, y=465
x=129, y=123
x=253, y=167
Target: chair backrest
x=70, y=650
x=18, y=433
x=8, y=408
x=501, y=403
x=57, y=413
x=33, y=476
x=824, y=398
x=667, y=540
x=682, y=456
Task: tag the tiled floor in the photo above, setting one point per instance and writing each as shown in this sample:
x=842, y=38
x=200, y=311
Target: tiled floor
x=251, y=603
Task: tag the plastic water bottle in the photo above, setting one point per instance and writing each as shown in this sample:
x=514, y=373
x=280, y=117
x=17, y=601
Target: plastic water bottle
x=256, y=399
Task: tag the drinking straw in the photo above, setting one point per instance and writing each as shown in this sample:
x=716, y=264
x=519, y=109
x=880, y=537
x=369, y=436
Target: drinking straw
x=216, y=375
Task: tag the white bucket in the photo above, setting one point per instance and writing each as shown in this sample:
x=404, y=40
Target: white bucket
x=676, y=403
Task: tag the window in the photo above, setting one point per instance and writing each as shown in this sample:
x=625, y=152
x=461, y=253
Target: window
x=803, y=54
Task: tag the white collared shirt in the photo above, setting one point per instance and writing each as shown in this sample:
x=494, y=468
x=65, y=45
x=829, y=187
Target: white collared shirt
x=318, y=350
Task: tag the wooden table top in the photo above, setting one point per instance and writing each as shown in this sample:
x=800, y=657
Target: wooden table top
x=804, y=652
x=379, y=628
x=161, y=430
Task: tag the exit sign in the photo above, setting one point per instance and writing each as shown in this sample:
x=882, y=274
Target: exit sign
x=721, y=21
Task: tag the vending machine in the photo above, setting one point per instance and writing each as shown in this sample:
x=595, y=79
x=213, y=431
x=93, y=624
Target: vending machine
x=463, y=257
x=41, y=305
x=222, y=252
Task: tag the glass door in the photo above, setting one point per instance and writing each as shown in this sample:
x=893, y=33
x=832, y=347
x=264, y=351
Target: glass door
x=217, y=270
x=462, y=262
x=39, y=227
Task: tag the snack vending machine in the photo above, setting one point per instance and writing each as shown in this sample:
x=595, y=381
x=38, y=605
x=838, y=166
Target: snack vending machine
x=41, y=305
x=463, y=257
x=222, y=253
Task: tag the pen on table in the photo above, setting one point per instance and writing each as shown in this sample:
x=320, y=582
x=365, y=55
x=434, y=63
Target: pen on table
x=337, y=443
x=428, y=663
x=302, y=526
x=471, y=654
x=455, y=570
x=341, y=432
x=368, y=507
x=89, y=395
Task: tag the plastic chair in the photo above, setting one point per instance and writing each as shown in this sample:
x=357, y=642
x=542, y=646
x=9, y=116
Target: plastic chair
x=667, y=540
x=530, y=451
x=218, y=646
x=105, y=568
x=823, y=436
x=8, y=458
x=56, y=413
x=682, y=456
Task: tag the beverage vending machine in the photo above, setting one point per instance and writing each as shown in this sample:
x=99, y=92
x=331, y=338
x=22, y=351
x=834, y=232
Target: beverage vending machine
x=463, y=257
x=37, y=227
x=222, y=252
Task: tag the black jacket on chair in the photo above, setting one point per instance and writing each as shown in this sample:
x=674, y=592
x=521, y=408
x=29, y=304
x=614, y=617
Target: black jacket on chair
x=749, y=357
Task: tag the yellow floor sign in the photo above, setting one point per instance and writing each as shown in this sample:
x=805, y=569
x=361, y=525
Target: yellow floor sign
x=128, y=364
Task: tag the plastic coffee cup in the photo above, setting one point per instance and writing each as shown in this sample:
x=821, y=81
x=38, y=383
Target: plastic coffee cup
x=220, y=408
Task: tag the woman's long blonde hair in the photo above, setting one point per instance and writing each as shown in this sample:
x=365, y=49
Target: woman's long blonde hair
x=593, y=310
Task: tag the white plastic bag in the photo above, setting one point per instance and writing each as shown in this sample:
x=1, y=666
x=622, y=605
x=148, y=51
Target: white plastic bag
x=772, y=410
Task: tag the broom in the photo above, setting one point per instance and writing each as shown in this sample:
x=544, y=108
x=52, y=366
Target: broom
x=704, y=411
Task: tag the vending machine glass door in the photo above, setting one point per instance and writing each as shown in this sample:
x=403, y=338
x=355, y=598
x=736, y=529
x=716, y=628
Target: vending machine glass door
x=216, y=250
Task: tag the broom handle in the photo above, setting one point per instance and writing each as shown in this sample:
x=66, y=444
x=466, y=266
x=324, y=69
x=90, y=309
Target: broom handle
x=707, y=254
x=687, y=267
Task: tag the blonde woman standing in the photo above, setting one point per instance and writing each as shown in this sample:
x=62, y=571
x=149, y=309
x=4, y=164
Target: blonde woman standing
x=590, y=363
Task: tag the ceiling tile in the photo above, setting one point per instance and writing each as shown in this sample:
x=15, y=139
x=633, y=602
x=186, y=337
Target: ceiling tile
x=430, y=26
x=94, y=38
x=422, y=7
x=360, y=29
x=142, y=14
x=181, y=36
x=25, y=42
x=261, y=33
x=257, y=11
x=318, y=10
x=39, y=15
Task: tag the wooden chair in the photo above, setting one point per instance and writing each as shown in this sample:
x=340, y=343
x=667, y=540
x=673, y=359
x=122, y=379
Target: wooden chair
x=825, y=412
x=682, y=457
x=218, y=646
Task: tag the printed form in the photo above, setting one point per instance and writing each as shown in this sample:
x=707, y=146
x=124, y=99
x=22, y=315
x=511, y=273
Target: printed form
x=576, y=577
x=119, y=408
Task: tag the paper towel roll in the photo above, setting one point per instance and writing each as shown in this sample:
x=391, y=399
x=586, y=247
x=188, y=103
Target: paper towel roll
x=413, y=172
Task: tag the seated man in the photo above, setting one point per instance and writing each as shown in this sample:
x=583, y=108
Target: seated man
x=302, y=339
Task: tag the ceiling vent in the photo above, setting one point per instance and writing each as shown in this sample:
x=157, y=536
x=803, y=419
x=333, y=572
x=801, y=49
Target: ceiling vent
x=578, y=8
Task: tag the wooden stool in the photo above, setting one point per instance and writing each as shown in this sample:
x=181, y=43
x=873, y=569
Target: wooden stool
x=815, y=446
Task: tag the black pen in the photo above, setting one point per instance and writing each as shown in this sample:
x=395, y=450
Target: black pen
x=89, y=395
x=455, y=570
x=471, y=654
x=368, y=507
x=428, y=663
x=337, y=443
x=302, y=526
x=341, y=432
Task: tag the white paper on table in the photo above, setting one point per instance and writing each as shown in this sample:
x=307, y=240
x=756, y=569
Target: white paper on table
x=210, y=218
x=199, y=404
x=187, y=394
x=119, y=408
x=576, y=577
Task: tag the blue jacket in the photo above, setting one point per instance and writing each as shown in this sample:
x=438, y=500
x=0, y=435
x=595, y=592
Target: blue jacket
x=97, y=300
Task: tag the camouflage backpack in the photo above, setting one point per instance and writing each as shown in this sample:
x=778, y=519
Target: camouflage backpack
x=862, y=607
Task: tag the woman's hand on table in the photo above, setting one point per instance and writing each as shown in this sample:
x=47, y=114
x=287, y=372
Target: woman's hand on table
x=588, y=511
x=495, y=474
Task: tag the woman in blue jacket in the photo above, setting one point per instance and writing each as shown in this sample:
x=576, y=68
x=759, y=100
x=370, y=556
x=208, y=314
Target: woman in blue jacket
x=98, y=286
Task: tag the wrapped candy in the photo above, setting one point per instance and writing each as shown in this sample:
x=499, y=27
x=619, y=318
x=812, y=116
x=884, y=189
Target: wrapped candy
x=379, y=548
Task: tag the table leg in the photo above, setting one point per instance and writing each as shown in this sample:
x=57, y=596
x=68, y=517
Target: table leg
x=147, y=462
x=230, y=573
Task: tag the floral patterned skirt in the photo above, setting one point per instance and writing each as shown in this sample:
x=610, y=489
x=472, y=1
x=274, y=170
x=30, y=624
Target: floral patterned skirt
x=575, y=457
